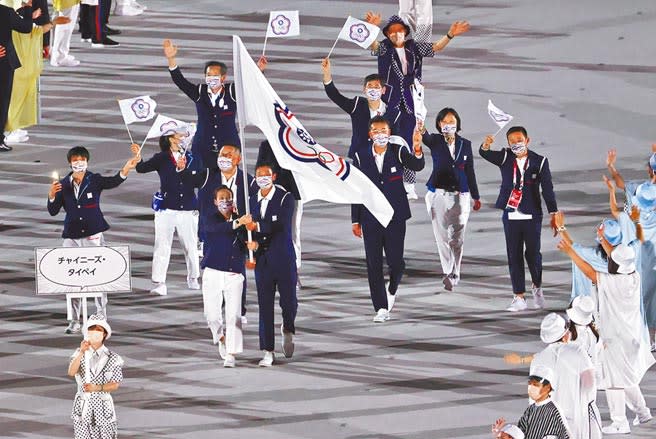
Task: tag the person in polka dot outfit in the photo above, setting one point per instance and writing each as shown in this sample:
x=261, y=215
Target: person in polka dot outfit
x=98, y=372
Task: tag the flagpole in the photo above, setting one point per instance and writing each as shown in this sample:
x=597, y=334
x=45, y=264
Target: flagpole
x=498, y=131
x=125, y=123
x=143, y=143
x=245, y=185
x=332, y=48
x=266, y=37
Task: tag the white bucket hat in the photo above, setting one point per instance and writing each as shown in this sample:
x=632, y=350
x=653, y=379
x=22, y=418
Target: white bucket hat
x=100, y=320
x=513, y=431
x=624, y=257
x=581, y=310
x=553, y=328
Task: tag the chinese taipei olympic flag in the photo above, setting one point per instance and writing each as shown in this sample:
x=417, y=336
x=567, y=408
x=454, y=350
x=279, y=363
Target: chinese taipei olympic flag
x=319, y=173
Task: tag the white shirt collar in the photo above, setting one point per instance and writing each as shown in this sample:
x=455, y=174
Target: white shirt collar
x=269, y=195
x=382, y=108
x=102, y=350
x=543, y=402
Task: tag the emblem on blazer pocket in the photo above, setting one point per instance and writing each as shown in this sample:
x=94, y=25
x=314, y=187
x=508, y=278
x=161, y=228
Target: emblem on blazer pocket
x=90, y=195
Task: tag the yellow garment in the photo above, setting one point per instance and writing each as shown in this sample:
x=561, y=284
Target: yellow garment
x=60, y=5
x=23, y=108
x=14, y=4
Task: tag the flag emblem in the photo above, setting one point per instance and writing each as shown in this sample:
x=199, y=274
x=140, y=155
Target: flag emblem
x=141, y=109
x=281, y=25
x=359, y=33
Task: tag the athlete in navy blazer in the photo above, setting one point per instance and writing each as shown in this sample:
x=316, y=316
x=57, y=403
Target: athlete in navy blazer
x=525, y=170
x=216, y=106
x=272, y=209
x=377, y=238
x=360, y=108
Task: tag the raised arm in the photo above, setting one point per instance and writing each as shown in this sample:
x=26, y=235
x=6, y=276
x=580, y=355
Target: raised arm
x=611, y=158
x=635, y=217
x=566, y=247
x=346, y=104
x=413, y=160
x=494, y=157
x=188, y=88
x=457, y=28
x=612, y=198
x=375, y=19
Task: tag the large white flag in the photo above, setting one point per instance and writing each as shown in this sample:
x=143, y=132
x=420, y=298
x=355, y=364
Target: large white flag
x=283, y=24
x=359, y=32
x=419, y=16
x=139, y=109
x=165, y=126
x=319, y=173
x=499, y=117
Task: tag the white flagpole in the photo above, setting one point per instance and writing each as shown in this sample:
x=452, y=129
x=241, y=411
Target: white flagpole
x=332, y=48
x=245, y=184
x=126, y=125
x=266, y=37
x=143, y=143
x=498, y=131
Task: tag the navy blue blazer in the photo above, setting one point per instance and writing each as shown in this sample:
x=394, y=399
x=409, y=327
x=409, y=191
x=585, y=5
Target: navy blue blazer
x=390, y=182
x=453, y=175
x=224, y=248
x=10, y=20
x=83, y=215
x=358, y=110
x=398, y=94
x=178, y=194
x=216, y=124
x=275, y=230
x=537, y=176
x=208, y=180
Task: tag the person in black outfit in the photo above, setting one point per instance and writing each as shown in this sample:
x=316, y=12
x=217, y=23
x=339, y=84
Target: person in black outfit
x=10, y=21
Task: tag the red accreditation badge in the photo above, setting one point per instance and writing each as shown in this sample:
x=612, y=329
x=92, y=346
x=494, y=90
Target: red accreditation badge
x=514, y=199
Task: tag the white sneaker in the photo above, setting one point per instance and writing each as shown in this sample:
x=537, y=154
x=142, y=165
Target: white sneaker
x=159, y=289
x=85, y=40
x=517, y=304
x=267, y=360
x=16, y=136
x=193, y=284
x=223, y=352
x=66, y=62
x=643, y=419
x=615, y=428
x=229, y=361
x=410, y=191
x=73, y=327
x=538, y=297
x=287, y=342
x=244, y=321
x=381, y=316
x=391, y=299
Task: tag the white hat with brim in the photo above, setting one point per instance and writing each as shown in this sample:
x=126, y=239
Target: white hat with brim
x=513, y=431
x=553, y=328
x=624, y=257
x=541, y=372
x=98, y=320
x=581, y=310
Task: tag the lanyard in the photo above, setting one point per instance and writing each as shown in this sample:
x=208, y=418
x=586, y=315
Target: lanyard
x=521, y=179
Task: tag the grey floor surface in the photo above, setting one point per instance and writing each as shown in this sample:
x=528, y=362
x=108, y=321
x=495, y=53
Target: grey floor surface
x=580, y=75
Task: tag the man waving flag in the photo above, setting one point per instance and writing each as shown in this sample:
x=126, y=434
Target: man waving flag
x=319, y=173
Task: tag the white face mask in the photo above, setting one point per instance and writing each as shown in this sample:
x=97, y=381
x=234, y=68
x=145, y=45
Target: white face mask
x=449, y=130
x=518, y=148
x=213, y=81
x=264, y=181
x=224, y=163
x=373, y=94
x=533, y=392
x=95, y=337
x=397, y=37
x=79, y=166
x=381, y=139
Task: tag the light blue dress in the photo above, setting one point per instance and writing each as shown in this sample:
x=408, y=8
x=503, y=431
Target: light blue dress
x=646, y=261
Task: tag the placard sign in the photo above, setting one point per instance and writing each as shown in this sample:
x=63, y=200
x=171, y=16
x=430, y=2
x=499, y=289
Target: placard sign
x=64, y=270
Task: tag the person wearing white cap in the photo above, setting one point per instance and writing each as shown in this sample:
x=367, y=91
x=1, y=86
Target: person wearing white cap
x=98, y=372
x=542, y=418
x=573, y=380
x=583, y=329
x=626, y=355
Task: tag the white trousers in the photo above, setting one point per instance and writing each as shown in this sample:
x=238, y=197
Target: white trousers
x=296, y=231
x=61, y=42
x=220, y=286
x=96, y=240
x=619, y=399
x=449, y=214
x=167, y=222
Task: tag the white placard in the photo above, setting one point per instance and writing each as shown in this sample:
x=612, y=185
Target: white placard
x=63, y=270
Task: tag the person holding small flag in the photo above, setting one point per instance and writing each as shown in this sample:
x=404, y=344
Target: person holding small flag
x=176, y=210
x=382, y=160
x=523, y=174
x=400, y=62
x=216, y=105
x=451, y=189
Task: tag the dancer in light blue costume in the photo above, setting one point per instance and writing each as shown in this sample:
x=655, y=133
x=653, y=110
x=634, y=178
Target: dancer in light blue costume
x=643, y=195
